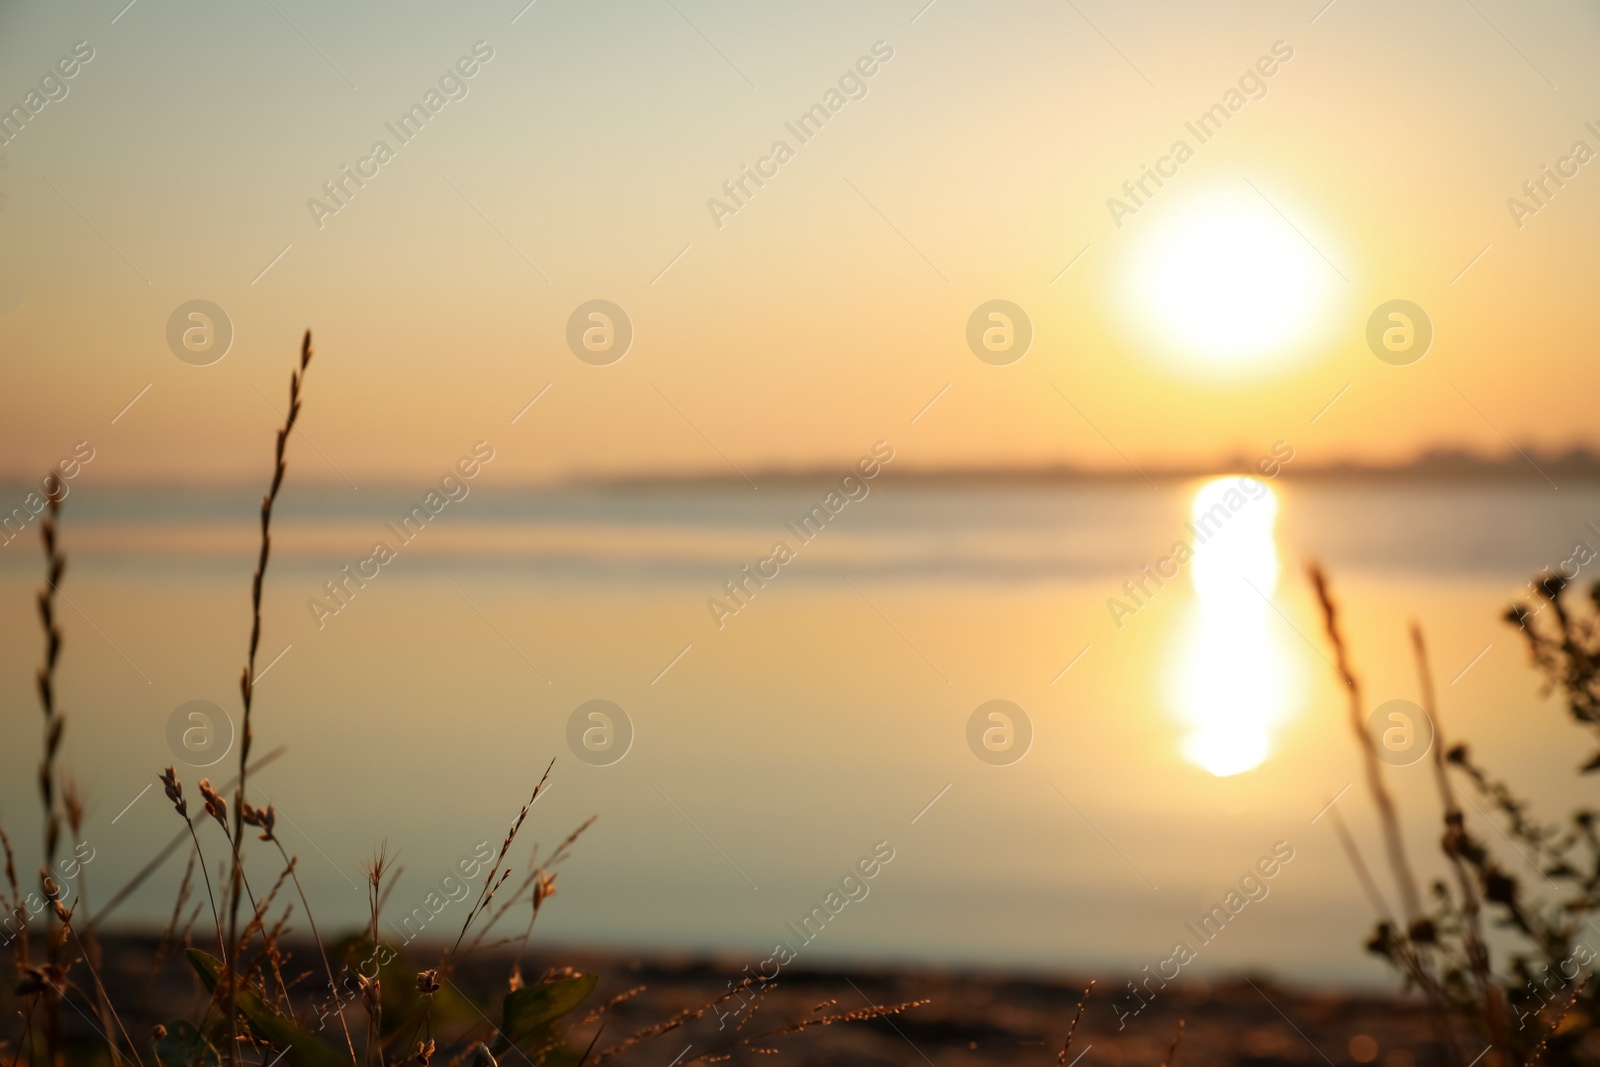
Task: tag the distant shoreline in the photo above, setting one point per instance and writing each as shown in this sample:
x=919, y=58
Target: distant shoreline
x=1439, y=467
x=1576, y=465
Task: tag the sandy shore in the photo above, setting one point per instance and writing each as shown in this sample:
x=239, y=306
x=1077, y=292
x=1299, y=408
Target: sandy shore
x=969, y=1018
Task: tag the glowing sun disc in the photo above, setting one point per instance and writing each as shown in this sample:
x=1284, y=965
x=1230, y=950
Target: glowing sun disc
x=1223, y=279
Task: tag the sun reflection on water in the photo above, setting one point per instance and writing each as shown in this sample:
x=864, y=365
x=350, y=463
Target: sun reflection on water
x=1234, y=675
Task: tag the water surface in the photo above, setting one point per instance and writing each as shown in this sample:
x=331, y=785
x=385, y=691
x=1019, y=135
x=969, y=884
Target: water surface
x=827, y=714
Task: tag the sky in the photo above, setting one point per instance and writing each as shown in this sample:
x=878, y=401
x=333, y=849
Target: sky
x=977, y=162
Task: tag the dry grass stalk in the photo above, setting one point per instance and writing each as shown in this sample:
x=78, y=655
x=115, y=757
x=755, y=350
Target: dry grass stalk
x=537, y=886
x=1453, y=845
x=54, y=726
x=1419, y=930
x=1556, y=1023
x=266, y=820
x=168, y=938
x=1083, y=1002
x=1394, y=844
x=371, y=989
x=174, y=789
x=15, y=908
x=247, y=677
x=682, y=1018
x=603, y=1009
x=64, y=915
x=72, y=807
x=177, y=842
x=874, y=1011
x=1380, y=906
x=492, y=883
x=1173, y=1051
x=54, y=721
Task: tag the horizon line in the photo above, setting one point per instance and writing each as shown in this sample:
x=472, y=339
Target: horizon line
x=1437, y=464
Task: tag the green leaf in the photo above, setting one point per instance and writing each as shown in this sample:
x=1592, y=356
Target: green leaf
x=184, y=1046
x=529, y=1009
x=301, y=1049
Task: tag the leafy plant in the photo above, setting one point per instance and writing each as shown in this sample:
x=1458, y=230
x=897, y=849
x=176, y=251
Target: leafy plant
x=1538, y=1004
x=300, y=1048
x=529, y=1013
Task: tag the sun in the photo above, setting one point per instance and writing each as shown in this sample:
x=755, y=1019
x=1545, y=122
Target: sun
x=1224, y=281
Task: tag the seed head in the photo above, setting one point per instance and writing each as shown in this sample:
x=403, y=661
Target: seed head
x=216, y=807
x=266, y=818
x=544, y=887
x=36, y=980
x=72, y=801
x=371, y=992
x=169, y=778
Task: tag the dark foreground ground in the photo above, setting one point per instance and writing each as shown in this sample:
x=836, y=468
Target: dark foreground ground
x=970, y=1018
x=973, y=1019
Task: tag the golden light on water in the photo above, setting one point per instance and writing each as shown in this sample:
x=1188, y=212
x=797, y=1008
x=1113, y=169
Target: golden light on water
x=1234, y=676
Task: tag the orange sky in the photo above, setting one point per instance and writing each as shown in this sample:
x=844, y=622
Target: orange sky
x=830, y=309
